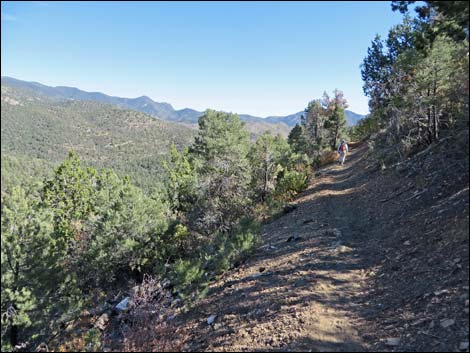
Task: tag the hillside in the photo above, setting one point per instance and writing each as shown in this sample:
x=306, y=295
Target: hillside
x=42, y=128
x=351, y=118
x=341, y=269
x=369, y=260
x=255, y=125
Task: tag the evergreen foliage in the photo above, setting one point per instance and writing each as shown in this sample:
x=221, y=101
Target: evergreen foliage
x=417, y=79
x=220, y=151
x=38, y=132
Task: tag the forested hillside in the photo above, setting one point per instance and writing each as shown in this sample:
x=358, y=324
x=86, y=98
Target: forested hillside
x=40, y=130
x=162, y=111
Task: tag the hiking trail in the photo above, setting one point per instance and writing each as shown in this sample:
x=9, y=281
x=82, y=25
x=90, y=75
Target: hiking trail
x=309, y=287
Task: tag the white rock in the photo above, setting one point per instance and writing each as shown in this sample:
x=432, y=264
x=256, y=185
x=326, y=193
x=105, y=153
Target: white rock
x=102, y=321
x=211, y=319
x=463, y=346
x=393, y=341
x=343, y=249
x=440, y=292
x=123, y=305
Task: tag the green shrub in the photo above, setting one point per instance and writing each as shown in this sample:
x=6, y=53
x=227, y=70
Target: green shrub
x=291, y=183
x=188, y=274
x=217, y=256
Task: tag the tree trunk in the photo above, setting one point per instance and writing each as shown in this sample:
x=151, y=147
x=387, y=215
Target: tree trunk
x=435, y=124
x=434, y=114
x=430, y=134
x=335, y=136
x=14, y=336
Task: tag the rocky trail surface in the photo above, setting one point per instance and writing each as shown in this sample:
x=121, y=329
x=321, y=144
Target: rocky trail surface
x=368, y=259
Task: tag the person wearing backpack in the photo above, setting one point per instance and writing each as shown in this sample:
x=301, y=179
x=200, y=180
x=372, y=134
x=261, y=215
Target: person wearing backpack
x=342, y=150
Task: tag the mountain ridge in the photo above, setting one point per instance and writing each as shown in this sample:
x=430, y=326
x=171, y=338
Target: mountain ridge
x=161, y=110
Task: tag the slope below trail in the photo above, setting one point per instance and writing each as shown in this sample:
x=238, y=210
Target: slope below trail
x=323, y=278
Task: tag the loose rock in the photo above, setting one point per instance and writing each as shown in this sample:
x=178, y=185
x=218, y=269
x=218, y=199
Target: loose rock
x=463, y=346
x=102, y=321
x=211, y=319
x=123, y=304
x=447, y=323
x=393, y=341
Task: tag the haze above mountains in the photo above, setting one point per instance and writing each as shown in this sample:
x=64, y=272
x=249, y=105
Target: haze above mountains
x=164, y=111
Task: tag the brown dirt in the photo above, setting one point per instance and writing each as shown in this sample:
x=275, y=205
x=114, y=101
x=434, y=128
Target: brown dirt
x=382, y=254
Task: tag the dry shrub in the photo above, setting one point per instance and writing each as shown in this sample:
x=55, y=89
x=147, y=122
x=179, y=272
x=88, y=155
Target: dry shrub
x=145, y=327
x=328, y=157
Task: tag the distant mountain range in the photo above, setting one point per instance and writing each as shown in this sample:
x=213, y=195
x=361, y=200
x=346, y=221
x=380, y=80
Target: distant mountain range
x=163, y=111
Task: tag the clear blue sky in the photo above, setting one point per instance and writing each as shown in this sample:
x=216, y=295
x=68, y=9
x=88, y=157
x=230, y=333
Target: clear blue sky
x=259, y=58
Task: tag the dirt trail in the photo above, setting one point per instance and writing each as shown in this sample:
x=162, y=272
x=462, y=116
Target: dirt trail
x=309, y=285
x=298, y=294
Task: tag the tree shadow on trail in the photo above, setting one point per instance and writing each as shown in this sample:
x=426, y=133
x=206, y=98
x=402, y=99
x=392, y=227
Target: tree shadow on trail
x=295, y=275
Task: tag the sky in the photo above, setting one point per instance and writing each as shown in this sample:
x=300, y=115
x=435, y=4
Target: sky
x=258, y=58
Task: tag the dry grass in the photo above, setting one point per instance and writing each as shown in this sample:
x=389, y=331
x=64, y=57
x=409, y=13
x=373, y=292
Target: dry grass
x=328, y=157
x=146, y=327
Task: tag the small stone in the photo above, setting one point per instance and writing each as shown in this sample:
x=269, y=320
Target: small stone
x=466, y=303
x=440, y=292
x=69, y=327
x=393, y=342
x=447, y=323
x=102, y=321
x=135, y=290
x=418, y=322
x=407, y=243
x=463, y=346
x=211, y=319
x=342, y=249
x=123, y=304
x=217, y=326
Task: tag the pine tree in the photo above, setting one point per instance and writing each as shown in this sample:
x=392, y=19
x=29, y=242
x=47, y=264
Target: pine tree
x=220, y=151
x=28, y=267
x=181, y=181
x=266, y=156
x=336, y=117
x=298, y=140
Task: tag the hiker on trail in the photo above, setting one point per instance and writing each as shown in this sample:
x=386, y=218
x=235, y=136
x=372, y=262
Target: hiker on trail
x=342, y=150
